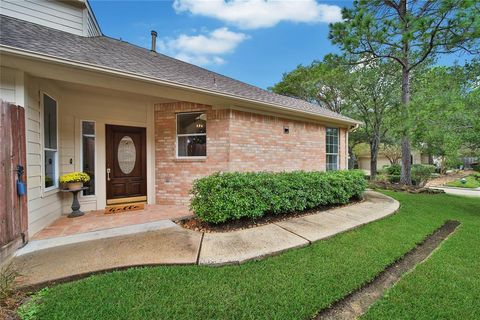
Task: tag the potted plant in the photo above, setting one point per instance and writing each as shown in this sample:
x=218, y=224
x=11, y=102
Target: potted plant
x=74, y=180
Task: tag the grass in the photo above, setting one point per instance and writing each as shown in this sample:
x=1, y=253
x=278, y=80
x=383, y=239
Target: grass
x=296, y=284
x=472, y=182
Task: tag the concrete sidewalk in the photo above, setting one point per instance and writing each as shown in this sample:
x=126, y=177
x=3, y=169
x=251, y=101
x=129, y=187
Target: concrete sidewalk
x=167, y=243
x=460, y=191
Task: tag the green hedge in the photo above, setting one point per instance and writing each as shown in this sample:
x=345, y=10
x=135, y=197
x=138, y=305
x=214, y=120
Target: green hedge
x=421, y=173
x=222, y=197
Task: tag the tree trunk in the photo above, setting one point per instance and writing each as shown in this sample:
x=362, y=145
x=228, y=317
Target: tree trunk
x=374, y=146
x=351, y=158
x=406, y=176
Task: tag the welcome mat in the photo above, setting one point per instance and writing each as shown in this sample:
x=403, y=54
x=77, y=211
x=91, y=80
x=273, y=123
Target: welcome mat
x=124, y=208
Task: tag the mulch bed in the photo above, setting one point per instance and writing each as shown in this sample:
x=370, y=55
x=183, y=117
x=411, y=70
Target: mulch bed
x=246, y=223
x=403, y=188
x=10, y=304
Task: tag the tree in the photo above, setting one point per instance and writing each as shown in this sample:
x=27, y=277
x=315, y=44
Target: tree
x=317, y=83
x=392, y=152
x=370, y=92
x=446, y=118
x=365, y=92
x=409, y=33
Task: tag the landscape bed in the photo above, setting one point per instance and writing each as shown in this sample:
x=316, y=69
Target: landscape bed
x=299, y=283
x=194, y=223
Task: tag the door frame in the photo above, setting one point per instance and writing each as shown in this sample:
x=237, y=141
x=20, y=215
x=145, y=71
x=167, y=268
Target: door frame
x=145, y=165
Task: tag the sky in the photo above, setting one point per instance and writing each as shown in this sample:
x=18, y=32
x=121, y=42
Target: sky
x=253, y=41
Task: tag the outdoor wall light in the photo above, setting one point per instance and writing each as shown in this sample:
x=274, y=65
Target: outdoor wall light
x=286, y=130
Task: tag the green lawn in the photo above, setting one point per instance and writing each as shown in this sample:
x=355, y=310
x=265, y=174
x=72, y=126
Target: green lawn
x=296, y=284
x=472, y=182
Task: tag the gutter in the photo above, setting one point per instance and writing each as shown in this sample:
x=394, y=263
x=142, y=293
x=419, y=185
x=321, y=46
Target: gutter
x=354, y=127
x=131, y=75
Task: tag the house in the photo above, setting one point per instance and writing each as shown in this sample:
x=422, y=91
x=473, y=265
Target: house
x=362, y=155
x=142, y=124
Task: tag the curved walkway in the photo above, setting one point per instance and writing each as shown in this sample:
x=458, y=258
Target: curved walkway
x=164, y=242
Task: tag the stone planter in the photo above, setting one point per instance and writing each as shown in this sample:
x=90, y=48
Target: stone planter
x=73, y=185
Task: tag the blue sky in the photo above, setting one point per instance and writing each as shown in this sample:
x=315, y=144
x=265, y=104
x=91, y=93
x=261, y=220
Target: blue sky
x=254, y=43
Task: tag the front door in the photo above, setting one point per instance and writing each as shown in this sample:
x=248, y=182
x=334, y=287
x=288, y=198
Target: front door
x=126, y=164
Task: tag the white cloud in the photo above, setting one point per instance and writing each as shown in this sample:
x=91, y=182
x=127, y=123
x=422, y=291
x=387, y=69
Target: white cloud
x=203, y=49
x=254, y=14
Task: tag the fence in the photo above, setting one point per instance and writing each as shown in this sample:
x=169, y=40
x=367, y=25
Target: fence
x=13, y=208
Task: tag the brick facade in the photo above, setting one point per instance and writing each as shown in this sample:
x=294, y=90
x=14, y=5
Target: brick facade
x=236, y=141
x=258, y=143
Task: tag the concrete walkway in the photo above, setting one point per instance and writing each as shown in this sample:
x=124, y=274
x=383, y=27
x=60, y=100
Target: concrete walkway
x=164, y=242
x=460, y=191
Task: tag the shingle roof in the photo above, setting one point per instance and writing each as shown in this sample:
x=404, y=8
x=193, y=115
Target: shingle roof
x=115, y=54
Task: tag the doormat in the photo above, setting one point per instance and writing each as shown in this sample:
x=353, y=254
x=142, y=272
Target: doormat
x=124, y=208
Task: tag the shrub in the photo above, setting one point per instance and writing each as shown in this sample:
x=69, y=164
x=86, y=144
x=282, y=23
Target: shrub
x=476, y=167
x=421, y=173
x=392, y=173
x=222, y=197
x=394, y=169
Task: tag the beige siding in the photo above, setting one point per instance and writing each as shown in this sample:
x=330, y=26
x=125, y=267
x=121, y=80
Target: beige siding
x=90, y=27
x=43, y=207
x=76, y=19
x=7, y=85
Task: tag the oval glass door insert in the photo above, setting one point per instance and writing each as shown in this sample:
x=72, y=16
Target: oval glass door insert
x=126, y=154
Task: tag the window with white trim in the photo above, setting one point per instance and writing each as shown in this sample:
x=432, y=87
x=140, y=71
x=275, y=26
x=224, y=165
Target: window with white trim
x=191, y=134
x=50, y=142
x=332, y=149
x=88, y=155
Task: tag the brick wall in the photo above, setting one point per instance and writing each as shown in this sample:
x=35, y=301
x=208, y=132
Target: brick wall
x=258, y=143
x=174, y=177
x=236, y=141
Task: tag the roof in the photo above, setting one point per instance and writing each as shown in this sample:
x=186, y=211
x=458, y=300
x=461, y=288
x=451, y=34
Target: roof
x=108, y=53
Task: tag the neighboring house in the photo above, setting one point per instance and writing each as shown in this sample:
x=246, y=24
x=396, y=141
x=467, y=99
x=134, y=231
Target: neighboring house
x=469, y=162
x=362, y=154
x=142, y=124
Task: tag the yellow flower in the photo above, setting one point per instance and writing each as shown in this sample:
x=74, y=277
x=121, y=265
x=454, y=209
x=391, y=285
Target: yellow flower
x=75, y=177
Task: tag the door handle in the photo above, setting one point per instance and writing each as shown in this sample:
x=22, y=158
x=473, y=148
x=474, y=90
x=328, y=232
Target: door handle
x=108, y=174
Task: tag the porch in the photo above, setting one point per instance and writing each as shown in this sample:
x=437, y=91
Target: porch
x=97, y=220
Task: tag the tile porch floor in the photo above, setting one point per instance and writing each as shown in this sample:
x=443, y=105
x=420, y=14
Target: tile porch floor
x=98, y=220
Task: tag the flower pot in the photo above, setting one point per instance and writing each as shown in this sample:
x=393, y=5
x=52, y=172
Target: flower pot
x=73, y=185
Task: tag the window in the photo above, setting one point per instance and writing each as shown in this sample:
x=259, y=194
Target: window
x=50, y=143
x=88, y=155
x=191, y=134
x=332, y=148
